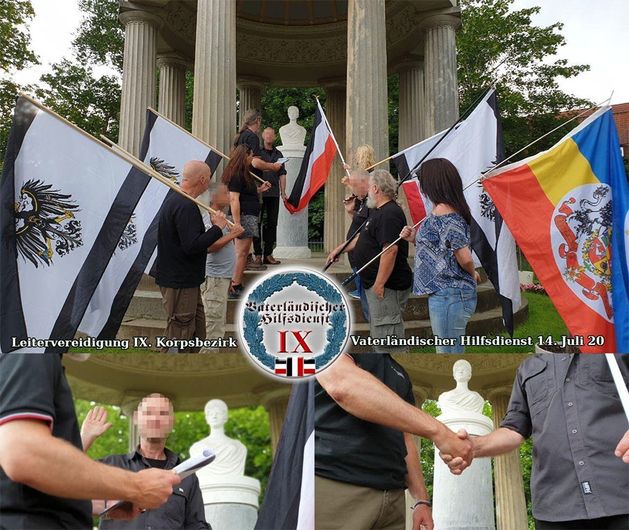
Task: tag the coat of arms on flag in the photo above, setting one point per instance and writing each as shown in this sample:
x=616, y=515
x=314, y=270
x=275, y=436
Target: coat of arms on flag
x=568, y=208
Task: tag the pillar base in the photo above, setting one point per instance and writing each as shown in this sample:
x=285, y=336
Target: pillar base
x=231, y=503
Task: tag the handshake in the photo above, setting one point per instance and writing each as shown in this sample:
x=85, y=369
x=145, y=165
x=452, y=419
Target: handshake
x=456, y=450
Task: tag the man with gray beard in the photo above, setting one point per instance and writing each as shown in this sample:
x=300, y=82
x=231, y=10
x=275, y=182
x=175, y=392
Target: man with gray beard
x=388, y=279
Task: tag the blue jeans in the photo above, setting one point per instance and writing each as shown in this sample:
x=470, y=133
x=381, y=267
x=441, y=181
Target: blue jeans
x=450, y=309
x=363, y=297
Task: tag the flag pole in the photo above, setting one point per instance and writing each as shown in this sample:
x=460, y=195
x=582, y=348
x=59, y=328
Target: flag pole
x=119, y=152
x=115, y=148
x=353, y=275
x=621, y=387
x=345, y=245
x=327, y=123
x=219, y=153
x=499, y=164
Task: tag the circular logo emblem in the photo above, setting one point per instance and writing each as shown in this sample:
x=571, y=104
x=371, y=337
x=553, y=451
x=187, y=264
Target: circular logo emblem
x=294, y=323
x=580, y=234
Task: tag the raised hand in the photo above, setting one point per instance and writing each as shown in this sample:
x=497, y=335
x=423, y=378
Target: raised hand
x=94, y=425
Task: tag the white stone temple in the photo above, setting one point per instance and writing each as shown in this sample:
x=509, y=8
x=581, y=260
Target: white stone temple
x=348, y=47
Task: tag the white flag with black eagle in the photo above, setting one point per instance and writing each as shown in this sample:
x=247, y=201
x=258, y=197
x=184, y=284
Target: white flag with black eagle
x=474, y=146
x=166, y=147
x=66, y=200
x=289, y=501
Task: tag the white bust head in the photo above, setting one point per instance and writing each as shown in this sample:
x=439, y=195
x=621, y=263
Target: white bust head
x=293, y=113
x=462, y=371
x=216, y=413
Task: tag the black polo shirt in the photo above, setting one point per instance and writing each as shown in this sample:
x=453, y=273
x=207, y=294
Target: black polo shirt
x=569, y=405
x=351, y=450
x=383, y=228
x=361, y=214
x=272, y=156
x=184, y=508
x=251, y=140
x=35, y=387
x=182, y=244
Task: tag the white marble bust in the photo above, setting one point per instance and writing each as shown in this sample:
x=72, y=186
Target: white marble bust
x=230, y=454
x=292, y=134
x=461, y=399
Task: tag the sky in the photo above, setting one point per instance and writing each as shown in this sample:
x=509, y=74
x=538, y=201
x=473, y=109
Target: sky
x=596, y=32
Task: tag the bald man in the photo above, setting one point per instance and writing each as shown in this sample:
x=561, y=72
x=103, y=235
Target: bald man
x=182, y=245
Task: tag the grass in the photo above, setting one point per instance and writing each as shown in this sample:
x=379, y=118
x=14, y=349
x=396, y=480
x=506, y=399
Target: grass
x=543, y=320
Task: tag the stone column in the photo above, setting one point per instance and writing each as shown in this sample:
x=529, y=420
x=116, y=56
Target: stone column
x=441, y=88
x=129, y=406
x=214, y=104
x=138, y=76
x=335, y=220
x=172, y=87
x=367, y=116
x=250, y=89
x=411, y=104
x=508, y=484
x=276, y=403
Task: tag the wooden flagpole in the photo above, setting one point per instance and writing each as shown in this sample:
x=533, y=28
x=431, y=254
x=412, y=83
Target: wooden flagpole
x=156, y=175
x=223, y=155
x=327, y=123
x=121, y=153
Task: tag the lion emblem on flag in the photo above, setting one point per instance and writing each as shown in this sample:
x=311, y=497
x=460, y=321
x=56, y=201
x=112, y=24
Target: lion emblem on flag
x=581, y=238
x=45, y=223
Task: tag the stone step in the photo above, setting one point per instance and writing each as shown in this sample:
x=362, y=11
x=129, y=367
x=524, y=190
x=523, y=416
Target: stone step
x=482, y=323
x=147, y=304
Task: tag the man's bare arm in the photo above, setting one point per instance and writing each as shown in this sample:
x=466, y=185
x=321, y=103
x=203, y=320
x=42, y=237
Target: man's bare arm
x=30, y=455
x=362, y=395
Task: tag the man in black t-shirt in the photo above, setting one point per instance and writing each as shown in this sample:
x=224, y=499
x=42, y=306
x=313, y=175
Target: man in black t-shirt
x=182, y=244
x=365, y=456
x=270, y=208
x=388, y=280
x=42, y=466
x=155, y=419
x=248, y=135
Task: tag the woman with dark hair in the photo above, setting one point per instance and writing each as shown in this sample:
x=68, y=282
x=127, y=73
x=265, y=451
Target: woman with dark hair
x=244, y=206
x=444, y=267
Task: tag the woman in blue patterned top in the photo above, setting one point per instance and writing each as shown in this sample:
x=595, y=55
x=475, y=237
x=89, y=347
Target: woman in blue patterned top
x=444, y=268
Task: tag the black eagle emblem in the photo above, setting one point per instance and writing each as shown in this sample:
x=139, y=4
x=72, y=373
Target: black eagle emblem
x=45, y=218
x=164, y=169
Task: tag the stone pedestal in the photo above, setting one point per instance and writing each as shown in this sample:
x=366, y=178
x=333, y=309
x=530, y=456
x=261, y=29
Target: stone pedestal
x=231, y=502
x=292, y=230
x=464, y=502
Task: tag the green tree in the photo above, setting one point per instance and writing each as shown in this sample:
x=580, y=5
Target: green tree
x=15, y=55
x=497, y=44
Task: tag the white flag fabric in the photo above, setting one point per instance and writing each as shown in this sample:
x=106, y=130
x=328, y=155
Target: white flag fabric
x=475, y=146
x=66, y=200
x=166, y=148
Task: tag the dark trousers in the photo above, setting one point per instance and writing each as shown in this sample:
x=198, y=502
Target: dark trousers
x=614, y=522
x=269, y=210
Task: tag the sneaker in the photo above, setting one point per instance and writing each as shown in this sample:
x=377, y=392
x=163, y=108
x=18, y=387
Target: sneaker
x=355, y=295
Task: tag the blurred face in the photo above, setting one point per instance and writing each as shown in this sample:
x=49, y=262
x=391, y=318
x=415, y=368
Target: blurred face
x=268, y=136
x=216, y=414
x=155, y=418
x=358, y=185
x=220, y=198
